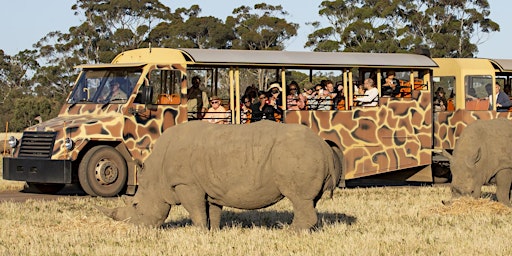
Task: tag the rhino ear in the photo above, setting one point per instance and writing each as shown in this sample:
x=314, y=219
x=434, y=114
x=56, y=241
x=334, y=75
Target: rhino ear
x=473, y=159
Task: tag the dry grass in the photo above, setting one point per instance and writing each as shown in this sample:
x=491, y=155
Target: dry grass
x=8, y=184
x=363, y=221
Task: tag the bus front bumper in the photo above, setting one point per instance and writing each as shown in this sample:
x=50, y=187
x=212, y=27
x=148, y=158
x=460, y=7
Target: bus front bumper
x=37, y=170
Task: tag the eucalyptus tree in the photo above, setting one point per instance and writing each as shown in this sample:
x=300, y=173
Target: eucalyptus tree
x=263, y=27
x=449, y=28
x=186, y=28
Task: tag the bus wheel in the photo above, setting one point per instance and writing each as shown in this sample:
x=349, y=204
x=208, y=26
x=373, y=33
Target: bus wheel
x=44, y=188
x=102, y=172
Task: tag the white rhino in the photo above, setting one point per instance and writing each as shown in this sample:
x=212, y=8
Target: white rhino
x=482, y=153
x=206, y=166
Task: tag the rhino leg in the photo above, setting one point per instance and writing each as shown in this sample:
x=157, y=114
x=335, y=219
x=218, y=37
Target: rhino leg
x=194, y=201
x=503, y=182
x=304, y=214
x=214, y=213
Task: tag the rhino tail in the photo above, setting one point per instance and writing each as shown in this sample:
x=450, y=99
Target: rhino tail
x=336, y=171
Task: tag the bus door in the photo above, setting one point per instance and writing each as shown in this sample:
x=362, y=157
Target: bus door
x=149, y=120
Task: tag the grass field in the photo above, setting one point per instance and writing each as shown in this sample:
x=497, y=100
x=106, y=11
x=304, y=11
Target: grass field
x=361, y=221
x=372, y=221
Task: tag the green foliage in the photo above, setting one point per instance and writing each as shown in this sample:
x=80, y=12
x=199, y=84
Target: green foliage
x=28, y=108
x=188, y=30
x=447, y=28
x=261, y=28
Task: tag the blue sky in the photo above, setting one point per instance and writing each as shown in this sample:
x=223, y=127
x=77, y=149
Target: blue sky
x=24, y=22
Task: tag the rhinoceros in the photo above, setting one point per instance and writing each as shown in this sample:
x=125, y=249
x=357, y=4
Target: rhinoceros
x=206, y=166
x=482, y=152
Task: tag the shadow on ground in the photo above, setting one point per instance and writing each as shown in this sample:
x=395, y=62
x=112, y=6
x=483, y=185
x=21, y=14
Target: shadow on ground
x=266, y=219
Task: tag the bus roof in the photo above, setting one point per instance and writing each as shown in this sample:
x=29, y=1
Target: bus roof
x=116, y=65
x=504, y=65
x=291, y=59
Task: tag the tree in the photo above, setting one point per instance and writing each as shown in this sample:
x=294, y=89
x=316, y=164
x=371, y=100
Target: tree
x=265, y=28
x=188, y=30
x=15, y=82
x=450, y=28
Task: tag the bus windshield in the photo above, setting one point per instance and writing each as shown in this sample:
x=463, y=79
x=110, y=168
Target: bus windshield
x=104, y=86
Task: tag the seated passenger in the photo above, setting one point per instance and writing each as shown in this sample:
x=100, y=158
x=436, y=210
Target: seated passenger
x=440, y=102
x=471, y=93
x=390, y=85
x=321, y=99
x=246, y=109
x=115, y=94
x=217, y=114
x=262, y=109
x=371, y=95
x=294, y=99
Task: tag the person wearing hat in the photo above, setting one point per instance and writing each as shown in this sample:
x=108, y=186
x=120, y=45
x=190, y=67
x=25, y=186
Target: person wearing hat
x=217, y=114
x=115, y=94
x=275, y=99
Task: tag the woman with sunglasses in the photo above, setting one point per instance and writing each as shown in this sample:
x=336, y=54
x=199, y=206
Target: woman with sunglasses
x=217, y=114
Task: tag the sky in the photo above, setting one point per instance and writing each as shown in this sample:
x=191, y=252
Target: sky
x=24, y=22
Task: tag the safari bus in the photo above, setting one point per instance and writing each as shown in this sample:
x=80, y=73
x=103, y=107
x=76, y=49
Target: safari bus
x=468, y=84
x=116, y=112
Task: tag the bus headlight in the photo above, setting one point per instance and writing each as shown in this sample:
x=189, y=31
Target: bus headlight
x=69, y=144
x=13, y=142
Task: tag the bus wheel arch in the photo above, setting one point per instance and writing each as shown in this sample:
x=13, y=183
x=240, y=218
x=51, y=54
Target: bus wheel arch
x=103, y=171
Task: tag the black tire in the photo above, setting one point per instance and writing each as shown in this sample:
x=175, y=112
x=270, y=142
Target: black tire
x=102, y=172
x=43, y=188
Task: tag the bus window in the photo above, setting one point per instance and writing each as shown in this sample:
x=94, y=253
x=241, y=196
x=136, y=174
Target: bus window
x=166, y=86
x=478, y=89
x=448, y=85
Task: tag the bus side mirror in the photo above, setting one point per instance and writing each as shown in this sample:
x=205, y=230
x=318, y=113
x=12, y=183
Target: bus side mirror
x=147, y=94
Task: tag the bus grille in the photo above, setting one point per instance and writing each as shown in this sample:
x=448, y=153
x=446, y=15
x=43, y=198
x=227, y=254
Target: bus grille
x=37, y=144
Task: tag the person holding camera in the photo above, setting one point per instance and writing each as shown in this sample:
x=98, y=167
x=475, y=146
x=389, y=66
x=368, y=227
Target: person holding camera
x=262, y=109
x=321, y=99
x=390, y=85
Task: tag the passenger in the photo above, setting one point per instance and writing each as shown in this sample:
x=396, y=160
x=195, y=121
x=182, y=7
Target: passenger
x=329, y=87
x=339, y=99
x=471, y=93
x=502, y=100
x=275, y=100
x=321, y=99
x=371, y=95
x=246, y=109
x=390, y=85
x=262, y=110
x=359, y=89
x=440, y=102
x=115, y=94
x=217, y=114
x=251, y=92
x=197, y=100
x=274, y=91
x=294, y=99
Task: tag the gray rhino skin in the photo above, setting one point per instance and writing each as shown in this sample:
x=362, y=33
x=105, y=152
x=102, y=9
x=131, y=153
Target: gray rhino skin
x=206, y=166
x=483, y=152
